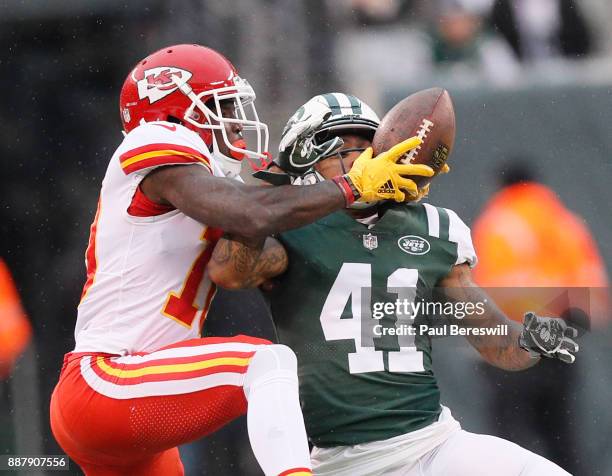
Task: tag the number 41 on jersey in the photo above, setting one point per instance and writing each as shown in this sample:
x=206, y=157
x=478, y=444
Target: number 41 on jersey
x=353, y=280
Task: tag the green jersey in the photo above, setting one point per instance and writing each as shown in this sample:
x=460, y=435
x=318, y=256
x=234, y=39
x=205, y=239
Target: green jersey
x=357, y=382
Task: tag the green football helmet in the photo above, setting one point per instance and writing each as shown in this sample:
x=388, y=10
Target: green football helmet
x=349, y=114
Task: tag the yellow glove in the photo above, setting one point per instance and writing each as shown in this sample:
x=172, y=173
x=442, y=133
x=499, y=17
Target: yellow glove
x=382, y=178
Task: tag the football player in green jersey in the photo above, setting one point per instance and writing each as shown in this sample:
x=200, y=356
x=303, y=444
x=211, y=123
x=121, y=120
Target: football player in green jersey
x=370, y=398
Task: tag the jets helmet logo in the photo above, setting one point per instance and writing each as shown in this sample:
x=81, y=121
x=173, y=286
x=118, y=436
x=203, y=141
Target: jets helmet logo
x=158, y=82
x=413, y=245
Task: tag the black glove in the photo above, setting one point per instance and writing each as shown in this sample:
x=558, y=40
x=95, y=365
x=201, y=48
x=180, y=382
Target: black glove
x=297, y=152
x=548, y=336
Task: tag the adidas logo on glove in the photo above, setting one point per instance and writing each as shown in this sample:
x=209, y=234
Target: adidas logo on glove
x=387, y=188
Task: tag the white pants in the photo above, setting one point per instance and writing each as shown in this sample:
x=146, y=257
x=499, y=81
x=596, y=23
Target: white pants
x=460, y=453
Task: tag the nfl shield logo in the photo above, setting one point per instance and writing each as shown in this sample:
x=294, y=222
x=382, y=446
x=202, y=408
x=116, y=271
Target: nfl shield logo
x=370, y=241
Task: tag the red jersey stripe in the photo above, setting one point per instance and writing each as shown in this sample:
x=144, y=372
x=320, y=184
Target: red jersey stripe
x=165, y=160
x=159, y=147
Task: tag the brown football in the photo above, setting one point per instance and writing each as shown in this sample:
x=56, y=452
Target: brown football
x=428, y=114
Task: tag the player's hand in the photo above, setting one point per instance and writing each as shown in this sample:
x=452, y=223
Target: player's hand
x=382, y=178
x=548, y=336
x=423, y=192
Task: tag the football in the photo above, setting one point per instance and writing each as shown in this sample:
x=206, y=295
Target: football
x=428, y=114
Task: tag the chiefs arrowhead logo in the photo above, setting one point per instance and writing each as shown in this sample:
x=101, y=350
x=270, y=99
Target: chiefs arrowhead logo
x=158, y=82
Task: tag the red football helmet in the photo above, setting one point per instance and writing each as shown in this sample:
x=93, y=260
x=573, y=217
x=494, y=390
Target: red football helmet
x=187, y=83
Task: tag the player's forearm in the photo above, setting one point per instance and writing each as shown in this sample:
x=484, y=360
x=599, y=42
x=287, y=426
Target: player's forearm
x=287, y=207
x=239, y=263
x=246, y=210
x=502, y=350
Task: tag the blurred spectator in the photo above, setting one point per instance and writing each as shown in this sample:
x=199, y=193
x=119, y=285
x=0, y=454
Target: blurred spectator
x=373, y=12
x=376, y=10
x=459, y=40
x=541, y=29
x=598, y=15
x=526, y=238
x=15, y=330
x=416, y=44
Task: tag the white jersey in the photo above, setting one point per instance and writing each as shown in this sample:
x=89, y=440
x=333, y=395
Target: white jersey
x=147, y=284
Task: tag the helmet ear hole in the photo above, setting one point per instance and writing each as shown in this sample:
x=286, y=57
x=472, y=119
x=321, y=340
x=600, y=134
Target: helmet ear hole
x=174, y=120
x=195, y=115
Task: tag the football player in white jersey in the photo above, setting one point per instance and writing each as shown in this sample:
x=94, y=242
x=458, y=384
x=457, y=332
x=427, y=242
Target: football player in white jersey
x=377, y=411
x=140, y=381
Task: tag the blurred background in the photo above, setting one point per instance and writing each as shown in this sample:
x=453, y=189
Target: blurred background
x=532, y=84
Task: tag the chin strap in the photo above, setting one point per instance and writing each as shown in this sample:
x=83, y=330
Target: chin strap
x=272, y=178
x=263, y=164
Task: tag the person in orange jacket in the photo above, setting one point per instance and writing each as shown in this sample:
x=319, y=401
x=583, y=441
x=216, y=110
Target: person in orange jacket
x=526, y=238
x=535, y=253
x=15, y=329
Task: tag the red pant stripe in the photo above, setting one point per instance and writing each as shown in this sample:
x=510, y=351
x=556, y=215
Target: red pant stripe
x=114, y=363
x=160, y=377
x=296, y=472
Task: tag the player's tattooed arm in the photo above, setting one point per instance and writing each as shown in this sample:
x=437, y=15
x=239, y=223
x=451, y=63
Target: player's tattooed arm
x=237, y=263
x=503, y=350
x=246, y=210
